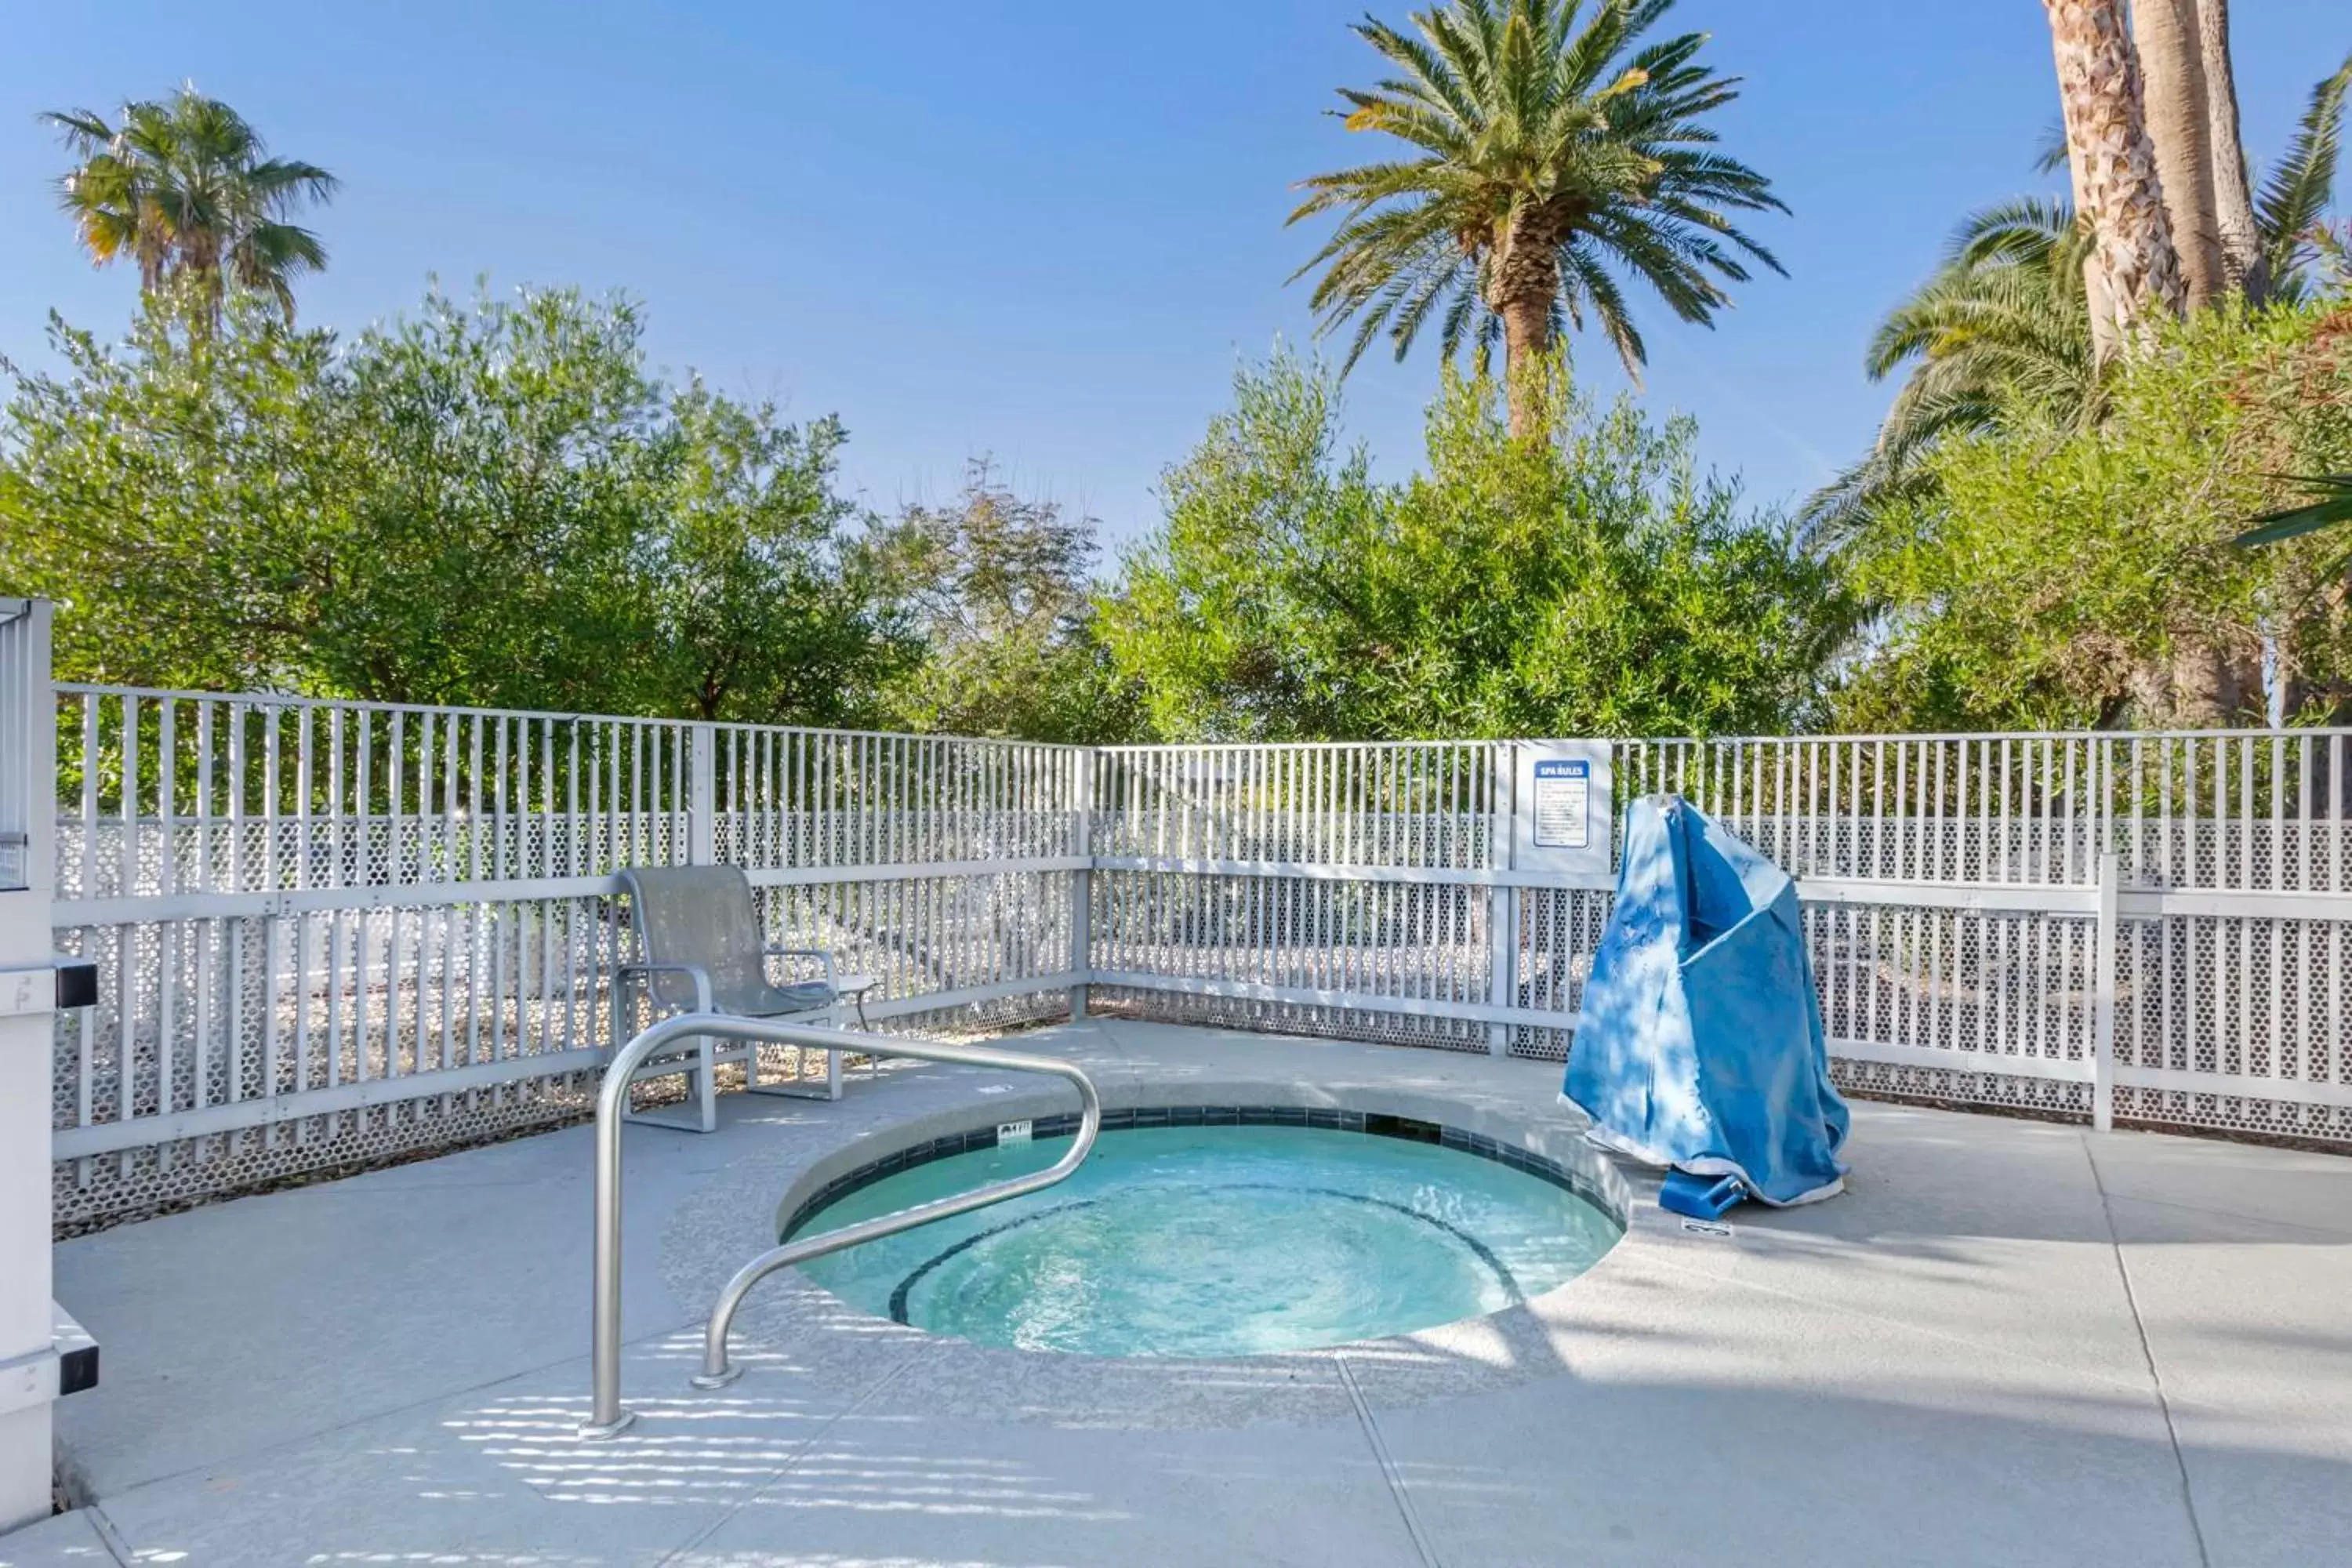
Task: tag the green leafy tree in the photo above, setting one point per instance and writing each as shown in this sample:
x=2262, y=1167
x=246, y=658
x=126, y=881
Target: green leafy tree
x=1001, y=589
x=2055, y=574
x=762, y=609
x=495, y=459
x=1587, y=582
x=186, y=187
x=1552, y=156
x=1226, y=614
x=493, y=504
x=179, y=498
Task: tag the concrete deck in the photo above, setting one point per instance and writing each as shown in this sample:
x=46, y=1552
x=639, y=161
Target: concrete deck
x=2009, y=1344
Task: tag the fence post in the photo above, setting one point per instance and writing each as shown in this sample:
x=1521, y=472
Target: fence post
x=2103, y=994
x=1082, y=880
x=1502, y=902
x=702, y=798
x=30, y=1364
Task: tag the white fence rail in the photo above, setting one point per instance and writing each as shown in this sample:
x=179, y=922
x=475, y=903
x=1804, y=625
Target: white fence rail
x=2148, y=926
x=331, y=931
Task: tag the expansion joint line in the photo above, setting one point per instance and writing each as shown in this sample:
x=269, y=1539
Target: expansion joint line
x=2147, y=1354
x=801, y=1451
x=111, y=1538
x=1388, y=1471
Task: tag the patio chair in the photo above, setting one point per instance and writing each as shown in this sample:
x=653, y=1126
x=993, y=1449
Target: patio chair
x=700, y=947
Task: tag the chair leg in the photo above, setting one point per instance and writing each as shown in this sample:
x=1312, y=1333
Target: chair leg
x=873, y=1058
x=797, y=1085
x=619, y=1019
x=693, y=1113
x=707, y=1083
x=698, y=1109
x=751, y=1067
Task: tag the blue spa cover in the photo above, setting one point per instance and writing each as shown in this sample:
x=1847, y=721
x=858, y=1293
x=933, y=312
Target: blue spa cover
x=1700, y=1044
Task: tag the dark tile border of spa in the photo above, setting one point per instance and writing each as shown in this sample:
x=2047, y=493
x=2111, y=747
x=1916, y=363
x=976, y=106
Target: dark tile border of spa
x=895, y=1373
x=1406, y=1129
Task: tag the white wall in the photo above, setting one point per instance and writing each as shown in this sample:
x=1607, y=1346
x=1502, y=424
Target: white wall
x=29, y=1368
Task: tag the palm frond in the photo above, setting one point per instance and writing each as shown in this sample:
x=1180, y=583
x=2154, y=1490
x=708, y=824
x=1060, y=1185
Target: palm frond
x=2026, y=230
x=1593, y=281
x=280, y=180
x=1840, y=513
x=2000, y=323
x=2296, y=193
x=2333, y=510
x=2051, y=154
x=84, y=131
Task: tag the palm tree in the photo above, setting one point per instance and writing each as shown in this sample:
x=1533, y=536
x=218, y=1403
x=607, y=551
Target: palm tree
x=1553, y=155
x=2004, y=322
x=185, y=186
x=2168, y=40
x=2233, y=188
x=2135, y=273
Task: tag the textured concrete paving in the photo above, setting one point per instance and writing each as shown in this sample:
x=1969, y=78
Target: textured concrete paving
x=2009, y=1344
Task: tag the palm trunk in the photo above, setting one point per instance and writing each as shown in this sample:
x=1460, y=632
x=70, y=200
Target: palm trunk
x=2197, y=684
x=155, y=251
x=2105, y=341
x=1526, y=338
x=2234, y=197
x=1522, y=284
x=2173, y=95
x=2106, y=138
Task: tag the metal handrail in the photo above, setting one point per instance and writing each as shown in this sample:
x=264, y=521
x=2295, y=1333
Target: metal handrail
x=605, y=1416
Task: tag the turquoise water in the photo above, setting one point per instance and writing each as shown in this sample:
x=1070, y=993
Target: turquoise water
x=1215, y=1241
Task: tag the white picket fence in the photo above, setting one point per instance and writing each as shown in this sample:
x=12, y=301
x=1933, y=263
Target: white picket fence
x=331, y=932
x=2138, y=926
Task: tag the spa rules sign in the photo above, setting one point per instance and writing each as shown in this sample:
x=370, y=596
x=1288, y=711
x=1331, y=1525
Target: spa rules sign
x=1563, y=804
x=1560, y=808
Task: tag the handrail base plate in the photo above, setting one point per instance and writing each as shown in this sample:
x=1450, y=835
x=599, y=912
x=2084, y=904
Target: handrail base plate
x=597, y=1431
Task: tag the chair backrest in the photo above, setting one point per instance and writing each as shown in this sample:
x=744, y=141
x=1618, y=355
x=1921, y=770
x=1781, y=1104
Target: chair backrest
x=698, y=914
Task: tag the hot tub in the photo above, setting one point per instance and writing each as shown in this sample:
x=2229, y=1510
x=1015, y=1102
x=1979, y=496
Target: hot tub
x=1213, y=1231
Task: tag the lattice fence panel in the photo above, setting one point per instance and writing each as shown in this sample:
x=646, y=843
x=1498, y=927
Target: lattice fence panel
x=407, y=911
x=289, y=898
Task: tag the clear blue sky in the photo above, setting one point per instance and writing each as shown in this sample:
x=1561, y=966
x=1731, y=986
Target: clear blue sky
x=1041, y=231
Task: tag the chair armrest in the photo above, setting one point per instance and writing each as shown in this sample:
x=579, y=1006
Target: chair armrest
x=816, y=952
x=694, y=972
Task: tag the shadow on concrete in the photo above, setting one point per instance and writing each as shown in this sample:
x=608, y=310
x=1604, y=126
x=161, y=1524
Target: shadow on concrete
x=1630, y=1472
